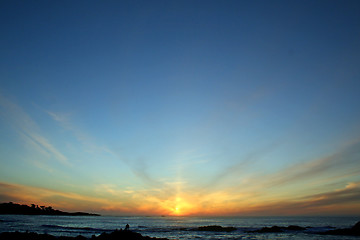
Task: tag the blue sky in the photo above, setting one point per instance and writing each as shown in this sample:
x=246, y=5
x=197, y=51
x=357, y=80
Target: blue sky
x=138, y=107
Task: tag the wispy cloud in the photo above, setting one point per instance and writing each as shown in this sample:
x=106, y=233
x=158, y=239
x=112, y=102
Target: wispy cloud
x=339, y=201
x=88, y=142
x=345, y=159
x=240, y=167
x=138, y=166
x=29, y=130
x=337, y=166
x=349, y=194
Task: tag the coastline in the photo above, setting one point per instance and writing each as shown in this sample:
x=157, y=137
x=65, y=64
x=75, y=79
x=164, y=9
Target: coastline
x=23, y=209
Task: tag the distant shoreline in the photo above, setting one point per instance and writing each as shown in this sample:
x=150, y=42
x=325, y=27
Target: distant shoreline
x=18, y=209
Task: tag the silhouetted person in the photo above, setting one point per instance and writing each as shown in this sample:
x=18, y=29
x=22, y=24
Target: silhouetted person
x=127, y=227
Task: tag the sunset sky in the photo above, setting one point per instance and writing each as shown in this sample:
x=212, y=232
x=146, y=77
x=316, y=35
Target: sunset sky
x=181, y=107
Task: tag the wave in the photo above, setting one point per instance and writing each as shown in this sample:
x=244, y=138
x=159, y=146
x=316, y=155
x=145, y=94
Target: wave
x=90, y=229
x=319, y=229
x=76, y=228
x=7, y=221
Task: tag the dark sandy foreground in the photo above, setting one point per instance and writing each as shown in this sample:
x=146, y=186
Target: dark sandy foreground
x=116, y=235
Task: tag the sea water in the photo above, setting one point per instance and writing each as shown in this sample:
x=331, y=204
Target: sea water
x=177, y=227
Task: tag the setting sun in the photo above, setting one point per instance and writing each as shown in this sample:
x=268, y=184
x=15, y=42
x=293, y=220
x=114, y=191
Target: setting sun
x=180, y=207
x=177, y=211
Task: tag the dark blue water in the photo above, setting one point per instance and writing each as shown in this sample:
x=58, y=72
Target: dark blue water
x=177, y=227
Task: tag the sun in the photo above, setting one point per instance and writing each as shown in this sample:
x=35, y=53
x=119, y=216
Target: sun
x=177, y=210
x=178, y=207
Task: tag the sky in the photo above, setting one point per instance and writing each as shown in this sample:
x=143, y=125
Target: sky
x=188, y=108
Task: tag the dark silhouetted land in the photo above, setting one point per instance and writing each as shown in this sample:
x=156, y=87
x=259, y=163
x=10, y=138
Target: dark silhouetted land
x=14, y=208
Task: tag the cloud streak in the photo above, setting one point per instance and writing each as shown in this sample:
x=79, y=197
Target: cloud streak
x=338, y=161
x=64, y=120
x=339, y=201
x=29, y=130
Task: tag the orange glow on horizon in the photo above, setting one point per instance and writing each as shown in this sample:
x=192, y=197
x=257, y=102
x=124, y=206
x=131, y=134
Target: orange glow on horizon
x=221, y=203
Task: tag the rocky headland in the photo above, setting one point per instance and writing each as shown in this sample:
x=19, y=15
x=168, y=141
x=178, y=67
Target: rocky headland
x=19, y=209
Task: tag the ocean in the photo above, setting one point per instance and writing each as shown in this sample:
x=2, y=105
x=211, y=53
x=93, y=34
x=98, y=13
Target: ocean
x=177, y=227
